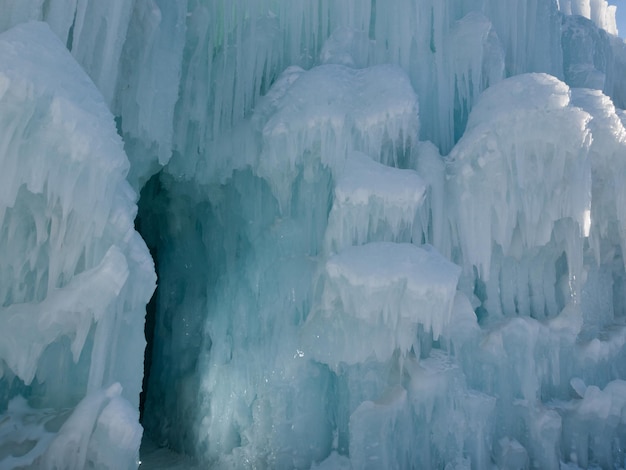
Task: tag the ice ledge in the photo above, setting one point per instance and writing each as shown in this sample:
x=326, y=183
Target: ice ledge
x=375, y=297
x=320, y=116
x=373, y=202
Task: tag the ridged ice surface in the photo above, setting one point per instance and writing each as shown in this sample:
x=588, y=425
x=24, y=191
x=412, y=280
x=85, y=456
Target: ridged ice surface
x=322, y=115
x=388, y=234
x=373, y=202
x=379, y=292
x=75, y=274
x=516, y=176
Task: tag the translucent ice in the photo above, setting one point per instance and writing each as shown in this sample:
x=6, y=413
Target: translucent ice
x=380, y=293
x=515, y=176
x=599, y=412
x=607, y=153
x=75, y=274
x=303, y=319
x=322, y=115
x=373, y=202
x=599, y=11
x=587, y=54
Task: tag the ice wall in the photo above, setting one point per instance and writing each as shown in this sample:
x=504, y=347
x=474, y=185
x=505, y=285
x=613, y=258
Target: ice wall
x=150, y=52
x=388, y=234
x=75, y=274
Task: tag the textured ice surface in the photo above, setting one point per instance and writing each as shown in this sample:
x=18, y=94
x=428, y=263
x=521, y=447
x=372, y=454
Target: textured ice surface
x=132, y=50
x=373, y=299
x=75, y=274
x=522, y=185
x=587, y=54
x=291, y=194
x=322, y=115
x=599, y=11
x=373, y=202
x=607, y=216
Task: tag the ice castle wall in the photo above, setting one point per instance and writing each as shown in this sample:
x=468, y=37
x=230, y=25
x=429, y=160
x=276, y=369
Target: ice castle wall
x=303, y=316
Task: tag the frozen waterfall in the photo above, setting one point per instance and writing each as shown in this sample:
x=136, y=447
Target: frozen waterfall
x=388, y=234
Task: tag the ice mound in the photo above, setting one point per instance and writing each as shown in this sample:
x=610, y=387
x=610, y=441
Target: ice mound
x=379, y=293
x=321, y=116
x=75, y=275
x=133, y=53
x=373, y=202
x=517, y=174
x=551, y=204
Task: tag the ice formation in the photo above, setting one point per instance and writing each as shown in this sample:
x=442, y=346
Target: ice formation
x=75, y=274
x=373, y=201
x=381, y=292
x=387, y=234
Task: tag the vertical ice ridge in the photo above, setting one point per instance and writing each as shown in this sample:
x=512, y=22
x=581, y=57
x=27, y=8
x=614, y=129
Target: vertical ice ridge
x=148, y=86
x=598, y=11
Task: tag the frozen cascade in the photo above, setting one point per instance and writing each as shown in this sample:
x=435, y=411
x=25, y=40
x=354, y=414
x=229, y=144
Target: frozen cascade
x=322, y=116
x=371, y=198
x=388, y=234
x=502, y=204
x=75, y=274
x=373, y=291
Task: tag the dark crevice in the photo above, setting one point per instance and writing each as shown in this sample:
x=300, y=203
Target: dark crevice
x=144, y=224
x=70, y=34
x=372, y=25
x=147, y=356
x=45, y=9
